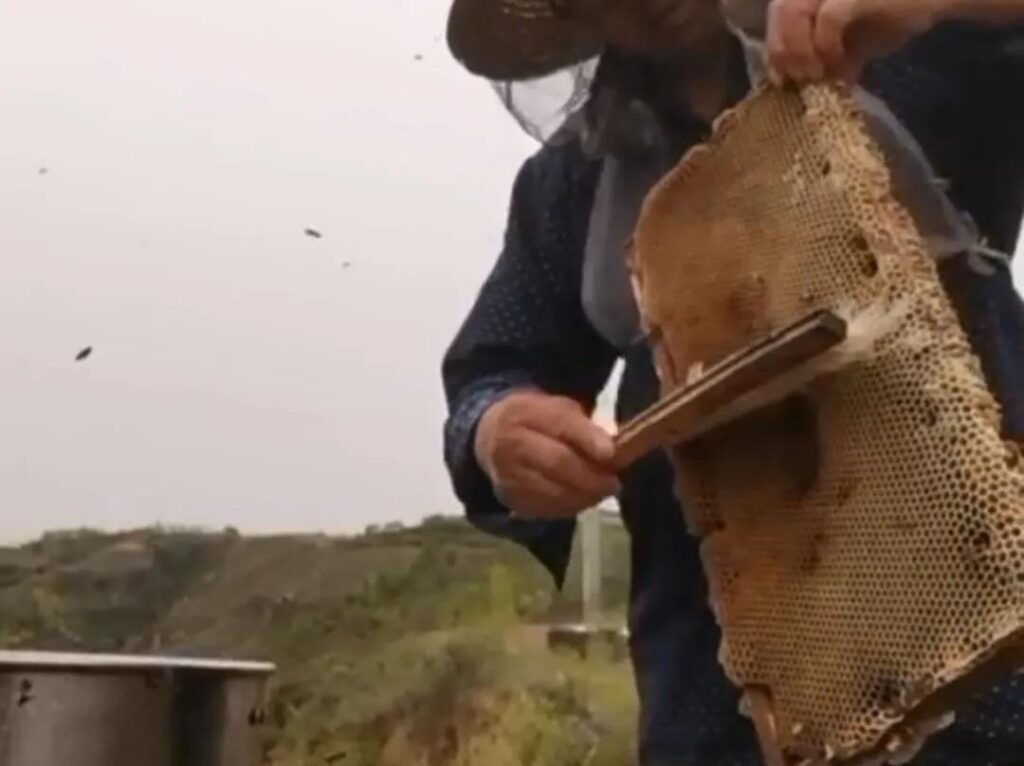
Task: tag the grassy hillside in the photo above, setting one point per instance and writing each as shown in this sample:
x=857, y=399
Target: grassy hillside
x=401, y=646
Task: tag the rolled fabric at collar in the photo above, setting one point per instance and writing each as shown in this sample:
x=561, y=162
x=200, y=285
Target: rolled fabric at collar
x=607, y=295
x=607, y=298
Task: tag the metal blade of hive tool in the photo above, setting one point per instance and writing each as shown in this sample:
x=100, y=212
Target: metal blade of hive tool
x=915, y=183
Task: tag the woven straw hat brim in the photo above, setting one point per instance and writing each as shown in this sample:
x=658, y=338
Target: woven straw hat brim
x=516, y=39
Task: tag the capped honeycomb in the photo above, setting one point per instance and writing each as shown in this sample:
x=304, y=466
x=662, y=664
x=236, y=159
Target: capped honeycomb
x=863, y=535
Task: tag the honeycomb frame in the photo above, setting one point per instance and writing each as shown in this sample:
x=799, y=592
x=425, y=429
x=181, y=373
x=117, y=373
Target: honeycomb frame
x=863, y=536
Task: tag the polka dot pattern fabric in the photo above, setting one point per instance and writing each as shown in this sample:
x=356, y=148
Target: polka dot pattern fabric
x=953, y=90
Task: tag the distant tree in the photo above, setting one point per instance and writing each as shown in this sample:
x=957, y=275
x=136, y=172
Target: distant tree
x=502, y=591
x=438, y=519
x=52, y=610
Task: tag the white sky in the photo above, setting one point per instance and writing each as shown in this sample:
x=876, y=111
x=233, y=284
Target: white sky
x=241, y=374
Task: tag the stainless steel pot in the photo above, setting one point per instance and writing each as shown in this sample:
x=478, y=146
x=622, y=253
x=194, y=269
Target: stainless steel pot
x=98, y=710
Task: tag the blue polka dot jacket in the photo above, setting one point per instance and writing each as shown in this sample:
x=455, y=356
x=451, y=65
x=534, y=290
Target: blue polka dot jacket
x=960, y=91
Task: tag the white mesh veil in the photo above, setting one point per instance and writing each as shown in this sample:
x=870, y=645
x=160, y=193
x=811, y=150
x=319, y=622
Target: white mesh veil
x=613, y=102
x=545, y=107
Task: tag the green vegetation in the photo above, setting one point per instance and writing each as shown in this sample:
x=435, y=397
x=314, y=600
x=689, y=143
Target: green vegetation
x=423, y=646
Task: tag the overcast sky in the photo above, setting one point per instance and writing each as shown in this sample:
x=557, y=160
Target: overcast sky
x=159, y=163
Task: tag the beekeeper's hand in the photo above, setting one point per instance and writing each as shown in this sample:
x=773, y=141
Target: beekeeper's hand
x=815, y=39
x=545, y=457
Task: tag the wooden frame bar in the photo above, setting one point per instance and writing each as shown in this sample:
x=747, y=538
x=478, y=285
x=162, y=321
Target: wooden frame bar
x=681, y=415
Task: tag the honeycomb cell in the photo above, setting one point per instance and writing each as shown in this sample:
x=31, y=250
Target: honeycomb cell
x=864, y=538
